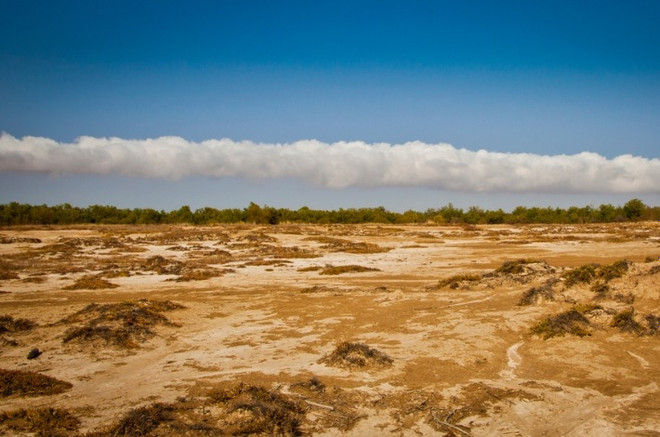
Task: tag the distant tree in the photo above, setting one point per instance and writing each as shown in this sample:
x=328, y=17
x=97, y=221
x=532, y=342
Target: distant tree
x=633, y=209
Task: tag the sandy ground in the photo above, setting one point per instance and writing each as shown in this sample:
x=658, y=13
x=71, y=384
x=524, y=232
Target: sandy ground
x=464, y=360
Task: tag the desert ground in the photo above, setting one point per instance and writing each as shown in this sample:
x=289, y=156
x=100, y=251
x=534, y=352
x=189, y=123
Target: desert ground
x=333, y=330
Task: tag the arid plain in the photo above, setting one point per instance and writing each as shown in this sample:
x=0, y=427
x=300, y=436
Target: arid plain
x=331, y=330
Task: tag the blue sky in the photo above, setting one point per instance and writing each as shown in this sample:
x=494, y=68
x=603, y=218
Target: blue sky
x=514, y=77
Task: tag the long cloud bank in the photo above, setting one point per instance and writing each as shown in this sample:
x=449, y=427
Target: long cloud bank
x=335, y=165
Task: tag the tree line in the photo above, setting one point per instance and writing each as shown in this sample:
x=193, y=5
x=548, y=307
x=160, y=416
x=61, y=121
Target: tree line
x=25, y=214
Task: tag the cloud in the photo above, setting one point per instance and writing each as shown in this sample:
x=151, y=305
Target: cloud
x=335, y=165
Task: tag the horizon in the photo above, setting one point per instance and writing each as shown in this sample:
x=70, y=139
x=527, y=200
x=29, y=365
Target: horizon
x=330, y=105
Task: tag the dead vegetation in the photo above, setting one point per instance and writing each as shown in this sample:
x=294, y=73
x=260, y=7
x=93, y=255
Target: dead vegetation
x=457, y=281
x=571, y=322
x=543, y=292
x=475, y=400
x=51, y=422
x=352, y=268
x=12, y=325
x=356, y=355
x=123, y=325
x=91, y=282
x=589, y=272
x=27, y=383
x=625, y=321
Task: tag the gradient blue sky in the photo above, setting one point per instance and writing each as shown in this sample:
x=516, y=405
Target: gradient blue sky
x=546, y=78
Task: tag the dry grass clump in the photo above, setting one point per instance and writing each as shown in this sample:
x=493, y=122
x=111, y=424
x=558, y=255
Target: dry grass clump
x=516, y=267
x=51, y=422
x=571, y=322
x=352, y=268
x=26, y=383
x=625, y=321
x=579, y=275
x=123, y=324
x=614, y=270
x=653, y=323
x=91, y=282
x=455, y=281
x=356, y=355
x=10, y=324
x=542, y=292
x=241, y=410
x=162, y=265
x=589, y=272
x=142, y=421
x=253, y=410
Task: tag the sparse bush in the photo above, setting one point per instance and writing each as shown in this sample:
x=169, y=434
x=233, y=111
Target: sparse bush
x=600, y=288
x=569, y=322
x=26, y=383
x=516, y=267
x=579, y=275
x=534, y=294
x=653, y=323
x=351, y=355
x=625, y=321
x=613, y=271
x=264, y=412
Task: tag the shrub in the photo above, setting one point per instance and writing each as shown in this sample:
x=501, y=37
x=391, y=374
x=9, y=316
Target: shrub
x=582, y=274
x=516, y=267
x=569, y=322
x=613, y=271
x=625, y=321
x=533, y=295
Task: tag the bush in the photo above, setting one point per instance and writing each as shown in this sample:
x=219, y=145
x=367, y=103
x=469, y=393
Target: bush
x=625, y=321
x=569, y=322
x=582, y=274
x=533, y=295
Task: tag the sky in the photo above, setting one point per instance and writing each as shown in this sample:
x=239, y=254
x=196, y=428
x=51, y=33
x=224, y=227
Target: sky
x=330, y=104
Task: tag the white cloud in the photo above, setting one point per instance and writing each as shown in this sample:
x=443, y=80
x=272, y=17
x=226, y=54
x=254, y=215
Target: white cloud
x=336, y=165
